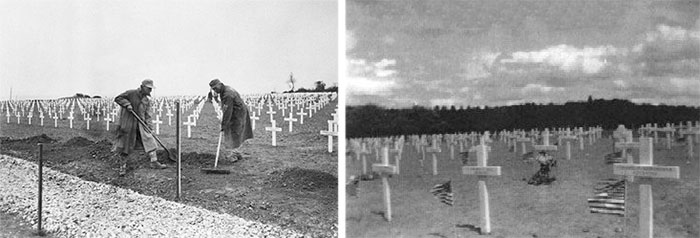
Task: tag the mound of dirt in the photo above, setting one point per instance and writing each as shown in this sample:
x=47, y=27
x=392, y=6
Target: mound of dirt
x=78, y=142
x=306, y=179
x=43, y=138
x=191, y=157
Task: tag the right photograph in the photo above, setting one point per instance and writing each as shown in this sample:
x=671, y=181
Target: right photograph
x=522, y=118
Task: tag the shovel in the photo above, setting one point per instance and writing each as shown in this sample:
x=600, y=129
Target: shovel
x=216, y=161
x=171, y=156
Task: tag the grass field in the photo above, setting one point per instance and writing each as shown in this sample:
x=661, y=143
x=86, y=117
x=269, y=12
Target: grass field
x=519, y=209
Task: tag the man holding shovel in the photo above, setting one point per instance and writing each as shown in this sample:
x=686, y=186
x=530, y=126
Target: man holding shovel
x=235, y=123
x=131, y=136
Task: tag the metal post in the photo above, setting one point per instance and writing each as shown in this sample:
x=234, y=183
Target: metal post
x=177, y=139
x=41, y=177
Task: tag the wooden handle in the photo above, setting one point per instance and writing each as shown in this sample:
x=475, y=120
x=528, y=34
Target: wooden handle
x=218, y=148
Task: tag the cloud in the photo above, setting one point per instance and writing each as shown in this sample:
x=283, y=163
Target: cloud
x=533, y=87
x=668, y=51
x=589, y=60
x=479, y=65
x=370, y=78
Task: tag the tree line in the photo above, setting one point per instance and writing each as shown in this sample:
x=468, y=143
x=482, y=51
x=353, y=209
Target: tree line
x=373, y=121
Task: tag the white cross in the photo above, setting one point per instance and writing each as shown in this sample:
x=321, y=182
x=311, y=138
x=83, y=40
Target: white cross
x=70, y=118
x=55, y=120
x=157, y=121
x=274, y=131
x=88, y=119
x=482, y=169
x=29, y=117
x=8, y=116
x=189, y=125
x=545, y=146
x=302, y=114
x=170, y=116
x=646, y=168
x=330, y=133
x=18, y=117
x=41, y=117
x=107, y=120
x=253, y=118
x=310, y=112
x=271, y=113
x=385, y=169
x=291, y=120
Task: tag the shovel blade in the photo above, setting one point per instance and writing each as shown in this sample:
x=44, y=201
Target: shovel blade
x=216, y=171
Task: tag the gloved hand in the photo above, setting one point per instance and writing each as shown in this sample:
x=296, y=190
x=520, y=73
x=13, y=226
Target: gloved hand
x=129, y=107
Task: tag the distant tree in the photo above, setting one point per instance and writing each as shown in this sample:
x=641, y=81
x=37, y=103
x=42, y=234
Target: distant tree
x=590, y=99
x=320, y=86
x=96, y=96
x=291, y=81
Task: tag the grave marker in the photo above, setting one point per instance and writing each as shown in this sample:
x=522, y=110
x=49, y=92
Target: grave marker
x=483, y=170
x=301, y=113
x=291, y=120
x=646, y=168
x=385, y=169
x=274, y=131
x=434, y=149
x=330, y=133
x=157, y=121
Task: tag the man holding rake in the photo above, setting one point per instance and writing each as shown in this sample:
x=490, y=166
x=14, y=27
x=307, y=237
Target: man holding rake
x=131, y=136
x=235, y=123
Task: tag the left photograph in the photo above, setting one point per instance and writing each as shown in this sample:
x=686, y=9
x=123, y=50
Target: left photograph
x=169, y=119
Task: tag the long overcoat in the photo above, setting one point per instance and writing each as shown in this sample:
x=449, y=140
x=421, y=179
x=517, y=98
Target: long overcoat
x=130, y=135
x=236, y=120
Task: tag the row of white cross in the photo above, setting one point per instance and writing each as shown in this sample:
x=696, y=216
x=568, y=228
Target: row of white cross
x=645, y=167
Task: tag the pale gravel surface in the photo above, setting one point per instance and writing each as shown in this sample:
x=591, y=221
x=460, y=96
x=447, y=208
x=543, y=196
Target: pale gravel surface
x=77, y=208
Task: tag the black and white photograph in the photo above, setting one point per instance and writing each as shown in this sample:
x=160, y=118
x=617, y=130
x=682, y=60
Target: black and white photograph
x=161, y=118
x=499, y=118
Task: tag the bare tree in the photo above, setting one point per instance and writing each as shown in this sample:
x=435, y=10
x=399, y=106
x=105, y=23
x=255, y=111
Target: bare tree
x=291, y=81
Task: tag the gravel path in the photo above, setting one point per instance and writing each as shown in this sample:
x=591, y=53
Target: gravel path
x=77, y=208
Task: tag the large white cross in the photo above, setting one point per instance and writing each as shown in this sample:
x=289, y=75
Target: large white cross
x=107, y=120
x=157, y=121
x=646, y=168
x=483, y=170
x=330, y=133
x=385, y=169
x=545, y=146
x=274, y=131
x=291, y=120
x=271, y=113
x=55, y=120
x=41, y=118
x=170, y=116
x=253, y=118
x=301, y=113
x=87, y=120
x=189, y=123
x=29, y=117
x=70, y=118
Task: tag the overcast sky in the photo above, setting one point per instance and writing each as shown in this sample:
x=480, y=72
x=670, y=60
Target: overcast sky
x=427, y=52
x=52, y=49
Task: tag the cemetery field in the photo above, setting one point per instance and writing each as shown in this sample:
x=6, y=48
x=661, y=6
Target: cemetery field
x=293, y=184
x=516, y=208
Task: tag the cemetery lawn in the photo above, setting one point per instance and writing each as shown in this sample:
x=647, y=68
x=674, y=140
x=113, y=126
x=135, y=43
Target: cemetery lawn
x=519, y=209
x=293, y=185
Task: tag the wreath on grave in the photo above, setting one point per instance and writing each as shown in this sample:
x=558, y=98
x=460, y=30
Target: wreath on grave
x=544, y=174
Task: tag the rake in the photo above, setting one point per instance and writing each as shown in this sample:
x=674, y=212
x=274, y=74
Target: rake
x=216, y=161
